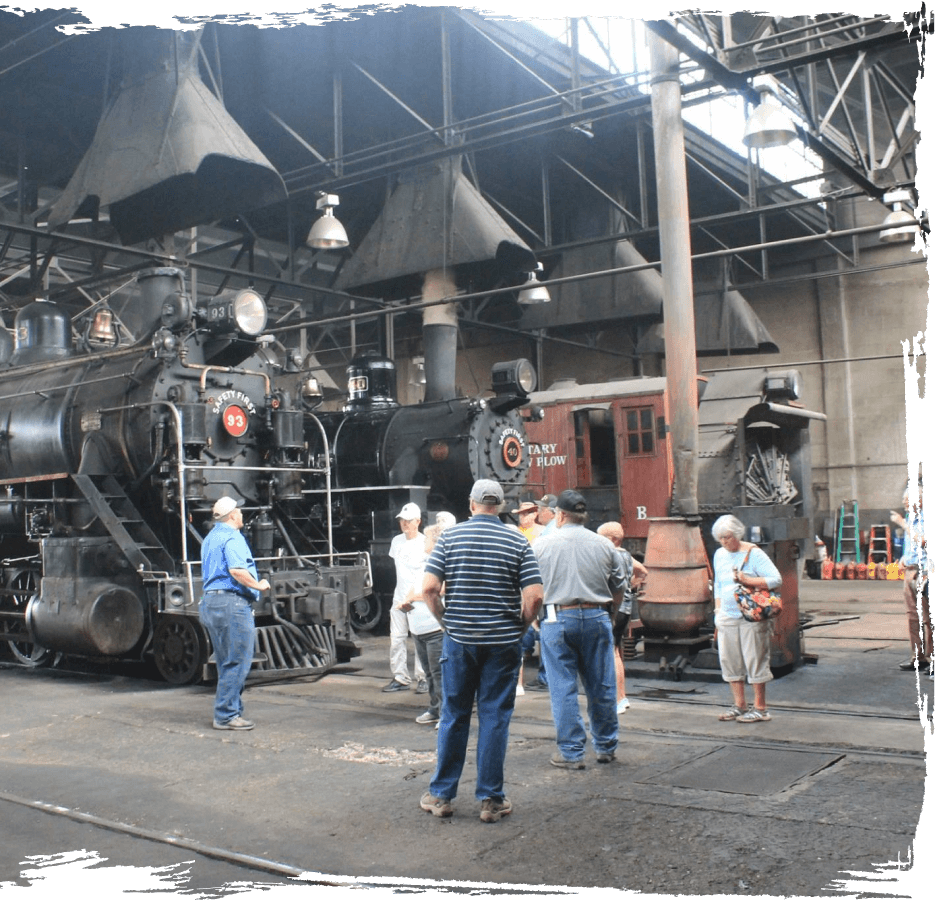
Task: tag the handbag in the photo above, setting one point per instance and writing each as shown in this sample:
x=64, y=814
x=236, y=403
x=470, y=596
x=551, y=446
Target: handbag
x=757, y=604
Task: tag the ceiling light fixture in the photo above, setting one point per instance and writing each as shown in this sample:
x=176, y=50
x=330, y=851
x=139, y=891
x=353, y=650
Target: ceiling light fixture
x=418, y=371
x=327, y=232
x=900, y=224
x=533, y=292
x=768, y=125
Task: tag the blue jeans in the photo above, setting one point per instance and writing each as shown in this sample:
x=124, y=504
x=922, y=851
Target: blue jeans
x=581, y=641
x=488, y=673
x=528, y=644
x=228, y=619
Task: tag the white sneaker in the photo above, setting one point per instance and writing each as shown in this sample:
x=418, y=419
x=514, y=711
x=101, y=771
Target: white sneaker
x=623, y=706
x=520, y=690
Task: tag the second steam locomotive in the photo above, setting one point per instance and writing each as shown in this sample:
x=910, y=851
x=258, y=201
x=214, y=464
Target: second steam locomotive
x=383, y=455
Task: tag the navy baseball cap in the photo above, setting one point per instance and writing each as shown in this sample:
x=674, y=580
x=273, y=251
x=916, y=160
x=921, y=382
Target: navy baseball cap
x=571, y=501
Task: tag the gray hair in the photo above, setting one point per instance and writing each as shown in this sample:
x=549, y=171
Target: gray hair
x=573, y=517
x=728, y=525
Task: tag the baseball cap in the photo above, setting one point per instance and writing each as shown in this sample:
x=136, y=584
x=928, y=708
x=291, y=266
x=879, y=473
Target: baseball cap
x=409, y=511
x=224, y=507
x=571, y=501
x=547, y=500
x=525, y=507
x=487, y=492
x=444, y=520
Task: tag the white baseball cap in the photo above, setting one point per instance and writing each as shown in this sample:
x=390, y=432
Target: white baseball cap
x=409, y=512
x=224, y=507
x=444, y=520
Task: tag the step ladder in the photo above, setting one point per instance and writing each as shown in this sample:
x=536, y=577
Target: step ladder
x=124, y=524
x=879, y=550
x=847, y=546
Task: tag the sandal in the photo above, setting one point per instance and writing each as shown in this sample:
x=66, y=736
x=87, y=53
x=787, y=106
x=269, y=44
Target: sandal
x=755, y=715
x=735, y=712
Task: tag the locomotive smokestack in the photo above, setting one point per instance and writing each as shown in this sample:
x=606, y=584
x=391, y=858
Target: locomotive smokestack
x=439, y=335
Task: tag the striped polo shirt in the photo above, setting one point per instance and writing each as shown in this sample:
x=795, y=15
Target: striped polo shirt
x=484, y=565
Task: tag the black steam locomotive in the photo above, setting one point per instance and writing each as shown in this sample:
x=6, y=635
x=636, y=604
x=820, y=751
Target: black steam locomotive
x=111, y=457
x=383, y=455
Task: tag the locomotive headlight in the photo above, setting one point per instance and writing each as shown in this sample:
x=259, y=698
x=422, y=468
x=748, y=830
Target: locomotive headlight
x=512, y=382
x=243, y=311
x=517, y=377
x=250, y=312
x=783, y=386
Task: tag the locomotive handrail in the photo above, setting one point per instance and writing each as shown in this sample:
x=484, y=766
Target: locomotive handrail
x=369, y=488
x=327, y=471
x=52, y=389
x=180, y=465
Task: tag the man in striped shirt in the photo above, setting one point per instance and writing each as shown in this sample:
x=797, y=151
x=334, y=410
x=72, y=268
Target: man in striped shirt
x=493, y=591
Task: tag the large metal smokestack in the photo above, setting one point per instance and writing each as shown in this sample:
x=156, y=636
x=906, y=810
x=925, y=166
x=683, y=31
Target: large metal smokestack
x=439, y=335
x=166, y=154
x=434, y=226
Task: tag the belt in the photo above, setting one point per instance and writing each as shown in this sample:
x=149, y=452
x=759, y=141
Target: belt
x=235, y=593
x=580, y=605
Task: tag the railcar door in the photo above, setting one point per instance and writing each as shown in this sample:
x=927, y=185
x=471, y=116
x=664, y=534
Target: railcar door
x=644, y=461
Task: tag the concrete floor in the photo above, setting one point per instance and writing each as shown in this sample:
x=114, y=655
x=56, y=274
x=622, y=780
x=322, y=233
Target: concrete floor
x=329, y=781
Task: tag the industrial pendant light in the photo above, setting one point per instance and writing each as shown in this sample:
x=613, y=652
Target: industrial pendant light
x=768, y=125
x=327, y=232
x=901, y=224
x=533, y=292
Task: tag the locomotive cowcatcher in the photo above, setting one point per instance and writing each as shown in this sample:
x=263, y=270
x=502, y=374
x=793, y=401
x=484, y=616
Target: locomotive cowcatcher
x=112, y=452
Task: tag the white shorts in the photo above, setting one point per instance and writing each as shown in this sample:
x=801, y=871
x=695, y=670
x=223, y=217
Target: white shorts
x=743, y=649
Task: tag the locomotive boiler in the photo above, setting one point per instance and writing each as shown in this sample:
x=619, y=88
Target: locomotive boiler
x=111, y=455
x=383, y=455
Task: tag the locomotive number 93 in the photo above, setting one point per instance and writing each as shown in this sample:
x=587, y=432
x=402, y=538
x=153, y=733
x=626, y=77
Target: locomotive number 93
x=111, y=458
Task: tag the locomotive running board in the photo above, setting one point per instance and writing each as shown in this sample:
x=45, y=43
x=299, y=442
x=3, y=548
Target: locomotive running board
x=288, y=651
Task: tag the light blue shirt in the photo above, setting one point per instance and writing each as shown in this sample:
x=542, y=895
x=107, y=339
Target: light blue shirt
x=759, y=565
x=225, y=548
x=914, y=550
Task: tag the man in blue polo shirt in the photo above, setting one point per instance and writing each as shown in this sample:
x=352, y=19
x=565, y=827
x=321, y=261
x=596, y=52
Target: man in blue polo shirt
x=230, y=587
x=492, y=592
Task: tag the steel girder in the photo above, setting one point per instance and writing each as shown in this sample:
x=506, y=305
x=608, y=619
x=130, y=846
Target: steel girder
x=847, y=78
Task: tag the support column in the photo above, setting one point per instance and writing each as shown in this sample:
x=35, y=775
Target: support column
x=678, y=293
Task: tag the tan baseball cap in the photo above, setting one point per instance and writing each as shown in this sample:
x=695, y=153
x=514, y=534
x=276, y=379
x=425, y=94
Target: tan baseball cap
x=224, y=507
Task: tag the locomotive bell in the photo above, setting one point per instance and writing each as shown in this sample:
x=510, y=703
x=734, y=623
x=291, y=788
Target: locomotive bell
x=103, y=330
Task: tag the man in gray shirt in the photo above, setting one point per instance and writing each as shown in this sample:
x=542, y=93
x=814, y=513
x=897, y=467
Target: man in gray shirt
x=583, y=582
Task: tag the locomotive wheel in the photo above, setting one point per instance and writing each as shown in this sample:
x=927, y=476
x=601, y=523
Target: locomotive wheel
x=24, y=582
x=180, y=649
x=367, y=612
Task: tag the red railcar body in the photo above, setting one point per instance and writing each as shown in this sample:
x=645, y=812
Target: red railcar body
x=610, y=442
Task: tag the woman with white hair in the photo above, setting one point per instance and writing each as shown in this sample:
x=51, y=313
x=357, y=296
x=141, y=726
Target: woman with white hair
x=425, y=629
x=742, y=646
